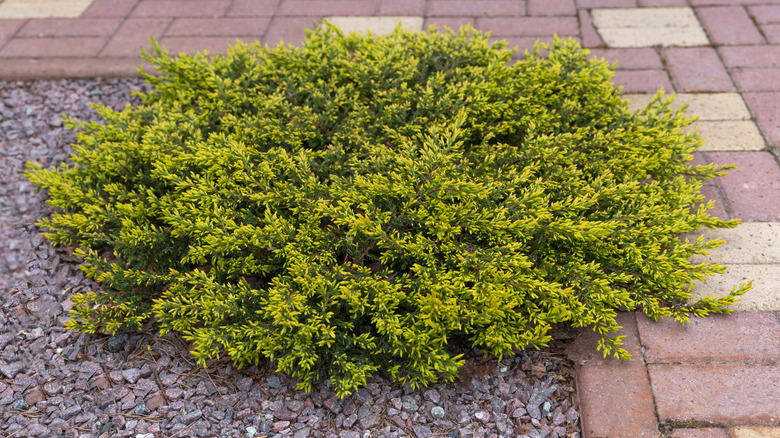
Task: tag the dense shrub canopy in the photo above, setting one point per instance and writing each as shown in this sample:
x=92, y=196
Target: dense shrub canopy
x=349, y=207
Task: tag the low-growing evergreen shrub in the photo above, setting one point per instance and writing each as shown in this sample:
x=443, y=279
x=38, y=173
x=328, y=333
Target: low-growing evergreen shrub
x=349, y=207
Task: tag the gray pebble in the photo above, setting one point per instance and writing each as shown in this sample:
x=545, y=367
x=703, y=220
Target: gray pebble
x=370, y=421
x=274, y=382
x=142, y=409
x=534, y=412
x=190, y=417
x=12, y=369
x=422, y=431
x=432, y=396
x=244, y=384
x=303, y=433
x=70, y=412
x=483, y=416
x=545, y=411
x=20, y=405
x=540, y=395
x=132, y=375
x=117, y=343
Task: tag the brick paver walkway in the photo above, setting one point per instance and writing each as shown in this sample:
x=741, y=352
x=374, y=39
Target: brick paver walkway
x=715, y=378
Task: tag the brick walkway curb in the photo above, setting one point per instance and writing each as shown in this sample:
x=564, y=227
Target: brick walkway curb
x=707, y=378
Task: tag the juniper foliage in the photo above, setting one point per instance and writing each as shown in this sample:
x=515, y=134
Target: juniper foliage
x=351, y=206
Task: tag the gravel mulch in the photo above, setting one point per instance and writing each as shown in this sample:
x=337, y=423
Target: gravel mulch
x=59, y=383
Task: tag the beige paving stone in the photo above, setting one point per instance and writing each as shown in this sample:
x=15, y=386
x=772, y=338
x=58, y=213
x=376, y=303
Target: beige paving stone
x=43, y=8
x=377, y=25
x=644, y=17
x=724, y=120
x=765, y=295
x=653, y=36
x=728, y=135
x=748, y=243
x=709, y=106
x=756, y=432
x=751, y=252
x=643, y=27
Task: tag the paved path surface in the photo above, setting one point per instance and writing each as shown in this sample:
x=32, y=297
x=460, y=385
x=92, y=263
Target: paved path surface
x=714, y=378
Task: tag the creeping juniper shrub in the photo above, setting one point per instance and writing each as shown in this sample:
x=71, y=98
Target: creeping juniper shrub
x=348, y=207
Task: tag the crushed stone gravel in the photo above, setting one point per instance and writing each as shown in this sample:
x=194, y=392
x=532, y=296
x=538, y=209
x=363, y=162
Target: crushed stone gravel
x=59, y=383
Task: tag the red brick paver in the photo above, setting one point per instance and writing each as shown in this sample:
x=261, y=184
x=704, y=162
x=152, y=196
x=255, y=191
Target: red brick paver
x=729, y=25
x=663, y=3
x=696, y=69
x=181, y=8
x=110, y=8
x=588, y=4
x=644, y=58
x=219, y=27
x=753, y=335
x=76, y=47
x=325, y=7
x=551, y=7
x=719, y=209
x=642, y=81
x=133, y=35
x=618, y=390
x=766, y=108
x=529, y=26
x=718, y=394
x=69, y=27
x=751, y=56
x=56, y=68
x=451, y=22
x=750, y=198
x=590, y=37
x=470, y=8
x=757, y=79
x=288, y=29
x=401, y=7
x=768, y=19
x=8, y=28
x=253, y=8
x=765, y=13
x=191, y=45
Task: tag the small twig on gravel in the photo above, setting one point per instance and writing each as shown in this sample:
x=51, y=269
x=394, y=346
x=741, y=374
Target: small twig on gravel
x=105, y=373
x=149, y=418
x=29, y=413
x=15, y=432
x=160, y=385
x=182, y=430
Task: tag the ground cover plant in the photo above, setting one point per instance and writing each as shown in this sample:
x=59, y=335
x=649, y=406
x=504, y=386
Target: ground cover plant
x=352, y=206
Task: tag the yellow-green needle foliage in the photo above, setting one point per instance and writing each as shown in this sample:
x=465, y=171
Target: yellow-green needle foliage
x=348, y=207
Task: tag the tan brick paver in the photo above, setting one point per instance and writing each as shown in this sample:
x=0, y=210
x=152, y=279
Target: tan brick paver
x=377, y=25
x=642, y=27
x=42, y=8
